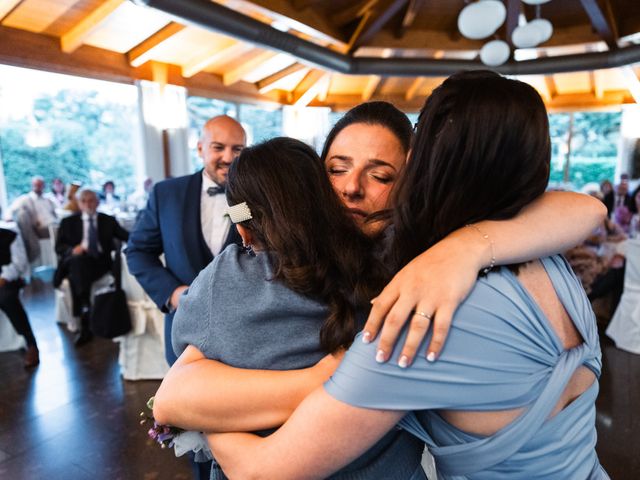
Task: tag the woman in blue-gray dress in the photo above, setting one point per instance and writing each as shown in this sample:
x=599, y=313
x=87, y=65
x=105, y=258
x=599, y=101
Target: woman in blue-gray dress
x=513, y=392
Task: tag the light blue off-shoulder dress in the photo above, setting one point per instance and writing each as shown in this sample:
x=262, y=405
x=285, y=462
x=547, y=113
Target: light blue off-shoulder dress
x=501, y=354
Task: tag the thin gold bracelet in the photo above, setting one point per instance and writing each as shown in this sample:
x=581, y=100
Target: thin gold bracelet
x=492, y=263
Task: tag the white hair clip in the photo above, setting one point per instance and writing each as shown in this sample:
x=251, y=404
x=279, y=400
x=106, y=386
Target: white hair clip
x=239, y=213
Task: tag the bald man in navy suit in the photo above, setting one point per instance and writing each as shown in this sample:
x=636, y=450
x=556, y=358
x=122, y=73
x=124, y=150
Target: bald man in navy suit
x=185, y=220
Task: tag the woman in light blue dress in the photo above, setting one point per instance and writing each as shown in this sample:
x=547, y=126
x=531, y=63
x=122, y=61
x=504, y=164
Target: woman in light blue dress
x=512, y=394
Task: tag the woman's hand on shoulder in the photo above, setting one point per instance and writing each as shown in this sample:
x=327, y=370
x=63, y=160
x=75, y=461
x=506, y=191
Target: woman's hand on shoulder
x=427, y=290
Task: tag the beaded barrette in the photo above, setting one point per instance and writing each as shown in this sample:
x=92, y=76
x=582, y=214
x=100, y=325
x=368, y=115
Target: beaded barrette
x=239, y=213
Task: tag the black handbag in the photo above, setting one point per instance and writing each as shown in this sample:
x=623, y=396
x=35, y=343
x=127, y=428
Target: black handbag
x=110, y=312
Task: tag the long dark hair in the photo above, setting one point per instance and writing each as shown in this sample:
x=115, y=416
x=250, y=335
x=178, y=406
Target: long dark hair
x=481, y=152
x=315, y=248
x=373, y=113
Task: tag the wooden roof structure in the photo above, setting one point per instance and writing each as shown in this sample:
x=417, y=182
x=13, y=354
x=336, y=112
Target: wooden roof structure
x=396, y=50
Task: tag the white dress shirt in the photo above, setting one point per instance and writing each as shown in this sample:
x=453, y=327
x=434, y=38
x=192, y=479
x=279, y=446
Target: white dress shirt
x=19, y=266
x=215, y=224
x=85, y=231
x=40, y=207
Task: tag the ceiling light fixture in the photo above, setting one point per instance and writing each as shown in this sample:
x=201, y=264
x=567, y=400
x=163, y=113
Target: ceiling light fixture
x=483, y=18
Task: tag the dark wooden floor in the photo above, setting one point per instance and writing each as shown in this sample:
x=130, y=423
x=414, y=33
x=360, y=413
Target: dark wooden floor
x=75, y=418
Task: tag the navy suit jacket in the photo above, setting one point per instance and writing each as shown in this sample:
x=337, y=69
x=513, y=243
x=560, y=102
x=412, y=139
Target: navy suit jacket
x=171, y=225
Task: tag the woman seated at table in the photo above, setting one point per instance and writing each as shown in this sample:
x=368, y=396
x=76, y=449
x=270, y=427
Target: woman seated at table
x=513, y=392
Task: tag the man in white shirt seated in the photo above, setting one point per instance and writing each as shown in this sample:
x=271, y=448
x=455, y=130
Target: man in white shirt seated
x=34, y=212
x=13, y=266
x=84, y=245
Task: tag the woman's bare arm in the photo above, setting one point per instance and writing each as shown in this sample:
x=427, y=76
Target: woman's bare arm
x=322, y=436
x=205, y=395
x=438, y=280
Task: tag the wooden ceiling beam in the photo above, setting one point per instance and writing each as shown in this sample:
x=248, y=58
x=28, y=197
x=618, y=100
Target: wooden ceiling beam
x=236, y=74
x=603, y=21
x=566, y=102
x=588, y=101
x=370, y=88
x=267, y=84
x=308, y=88
x=310, y=22
x=592, y=84
x=77, y=35
x=25, y=49
x=219, y=54
x=352, y=13
x=551, y=86
x=21, y=48
x=376, y=24
x=341, y=102
x=413, y=88
x=323, y=90
x=409, y=17
x=598, y=85
x=143, y=52
x=364, y=21
x=7, y=6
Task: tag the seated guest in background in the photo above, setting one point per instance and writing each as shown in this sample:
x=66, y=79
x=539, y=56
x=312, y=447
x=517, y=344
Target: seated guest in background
x=138, y=199
x=632, y=204
x=619, y=203
x=57, y=194
x=34, y=212
x=84, y=245
x=606, y=189
x=600, y=275
x=72, y=198
x=598, y=263
x=108, y=198
x=14, y=264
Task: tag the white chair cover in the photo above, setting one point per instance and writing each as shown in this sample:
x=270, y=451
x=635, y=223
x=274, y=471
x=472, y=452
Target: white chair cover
x=48, y=256
x=624, y=328
x=141, y=350
x=9, y=338
x=64, y=306
x=51, y=250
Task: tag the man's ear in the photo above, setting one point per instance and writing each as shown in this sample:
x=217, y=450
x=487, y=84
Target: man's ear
x=246, y=234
